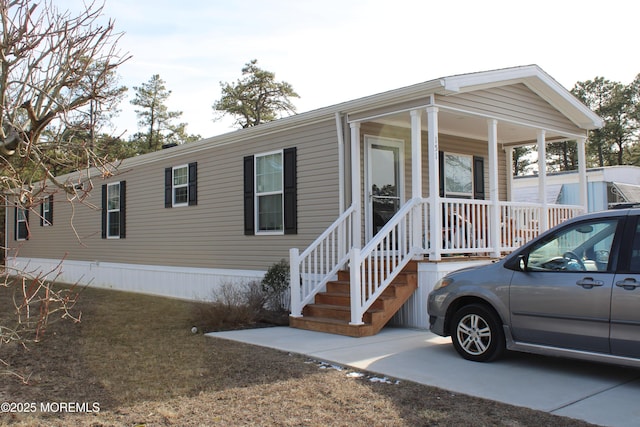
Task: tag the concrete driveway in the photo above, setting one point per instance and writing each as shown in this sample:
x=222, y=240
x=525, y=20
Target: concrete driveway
x=597, y=393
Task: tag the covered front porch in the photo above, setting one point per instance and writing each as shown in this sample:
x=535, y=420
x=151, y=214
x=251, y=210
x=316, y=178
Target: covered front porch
x=428, y=180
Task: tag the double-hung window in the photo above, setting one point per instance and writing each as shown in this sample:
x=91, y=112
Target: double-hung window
x=46, y=212
x=22, y=224
x=181, y=185
x=269, y=194
x=113, y=210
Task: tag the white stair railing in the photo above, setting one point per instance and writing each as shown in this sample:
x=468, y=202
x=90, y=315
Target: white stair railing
x=375, y=266
x=312, y=269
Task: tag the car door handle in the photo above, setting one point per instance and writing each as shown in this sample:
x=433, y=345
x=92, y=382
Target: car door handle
x=628, y=284
x=589, y=283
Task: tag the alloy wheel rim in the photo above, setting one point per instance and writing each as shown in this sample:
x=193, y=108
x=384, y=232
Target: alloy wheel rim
x=474, y=334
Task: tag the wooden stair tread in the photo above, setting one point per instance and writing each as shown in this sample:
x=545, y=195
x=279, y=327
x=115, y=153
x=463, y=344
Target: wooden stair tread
x=341, y=307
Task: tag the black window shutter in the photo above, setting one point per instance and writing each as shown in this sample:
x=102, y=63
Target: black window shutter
x=50, y=215
x=249, y=209
x=478, y=177
x=42, y=214
x=193, y=184
x=123, y=206
x=168, y=188
x=104, y=211
x=16, y=228
x=290, y=192
x=441, y=171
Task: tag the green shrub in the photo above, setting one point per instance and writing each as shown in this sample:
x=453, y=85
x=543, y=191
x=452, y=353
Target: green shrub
x=275, y=284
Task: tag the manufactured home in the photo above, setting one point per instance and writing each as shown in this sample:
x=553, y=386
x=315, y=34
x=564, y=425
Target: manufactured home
x=371, y=201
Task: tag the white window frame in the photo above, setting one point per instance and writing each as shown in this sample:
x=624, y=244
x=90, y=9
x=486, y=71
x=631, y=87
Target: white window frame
x=117, y=209
x=46, y=208
x=258, y=194
x=448, y=193
x=21, y=216
x=174, y=187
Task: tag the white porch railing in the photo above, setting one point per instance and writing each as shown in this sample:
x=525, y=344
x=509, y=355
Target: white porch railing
x=520, y=222
x=465, y=226
x=466, y=229
x=379, y=262
x=320, y=262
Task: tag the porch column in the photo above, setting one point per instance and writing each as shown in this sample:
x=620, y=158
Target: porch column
x=542, y=180
x=356, y=185
x=416, y=177
x=509, y=173
x=494, y=224
x=435, y=225
x=582, y=175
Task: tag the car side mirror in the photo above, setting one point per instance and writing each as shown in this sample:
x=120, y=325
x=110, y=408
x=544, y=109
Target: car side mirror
x=519, y=263
x=522, y=263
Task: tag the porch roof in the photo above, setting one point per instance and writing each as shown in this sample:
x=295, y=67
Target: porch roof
x=538, y=81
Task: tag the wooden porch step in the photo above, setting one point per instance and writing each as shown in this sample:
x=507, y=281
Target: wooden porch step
x=331, y=310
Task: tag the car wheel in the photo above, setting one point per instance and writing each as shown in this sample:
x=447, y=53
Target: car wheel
x=477, y=333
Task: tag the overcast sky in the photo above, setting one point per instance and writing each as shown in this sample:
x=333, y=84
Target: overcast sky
x=332, y=51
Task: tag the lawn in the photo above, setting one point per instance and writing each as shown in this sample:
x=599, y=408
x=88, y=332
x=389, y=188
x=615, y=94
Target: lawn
x=133, y=361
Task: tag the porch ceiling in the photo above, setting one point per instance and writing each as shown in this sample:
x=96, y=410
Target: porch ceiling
x=473, y=127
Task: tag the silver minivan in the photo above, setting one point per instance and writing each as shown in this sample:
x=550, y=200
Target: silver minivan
x=573, y=291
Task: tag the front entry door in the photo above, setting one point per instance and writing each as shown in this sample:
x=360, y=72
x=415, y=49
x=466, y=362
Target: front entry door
x=384, y=181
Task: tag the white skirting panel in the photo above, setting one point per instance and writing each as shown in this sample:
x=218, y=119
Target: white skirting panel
x=176, y=282
x=413, y=313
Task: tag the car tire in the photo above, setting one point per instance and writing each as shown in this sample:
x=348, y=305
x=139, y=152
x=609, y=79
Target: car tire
x=477, y=333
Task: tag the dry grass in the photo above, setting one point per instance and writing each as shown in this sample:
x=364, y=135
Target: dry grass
x=136, y=357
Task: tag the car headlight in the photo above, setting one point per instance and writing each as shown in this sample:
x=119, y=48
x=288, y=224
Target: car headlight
x=442, y=283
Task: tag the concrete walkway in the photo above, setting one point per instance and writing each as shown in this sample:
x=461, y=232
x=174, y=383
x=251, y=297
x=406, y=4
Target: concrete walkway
x=600, y=394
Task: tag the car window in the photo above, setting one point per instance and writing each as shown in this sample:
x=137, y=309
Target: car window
x=583, y=246
x=634, y=266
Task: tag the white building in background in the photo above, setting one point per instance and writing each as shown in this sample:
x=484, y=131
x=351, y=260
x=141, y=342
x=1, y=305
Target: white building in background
x=606, y=186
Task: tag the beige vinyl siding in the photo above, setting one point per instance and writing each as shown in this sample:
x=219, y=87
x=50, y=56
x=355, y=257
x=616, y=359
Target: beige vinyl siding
x=210, y=234
x=512, y=102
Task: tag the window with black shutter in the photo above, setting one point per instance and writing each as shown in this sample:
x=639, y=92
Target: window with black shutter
x=181, y=185
x=270, y=193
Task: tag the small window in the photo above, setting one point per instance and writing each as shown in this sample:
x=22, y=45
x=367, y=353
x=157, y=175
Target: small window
x=113, y=210
x=46, y=212
x=181, y=185
x=22, y=224
x=269, y=194
x=458, y=175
